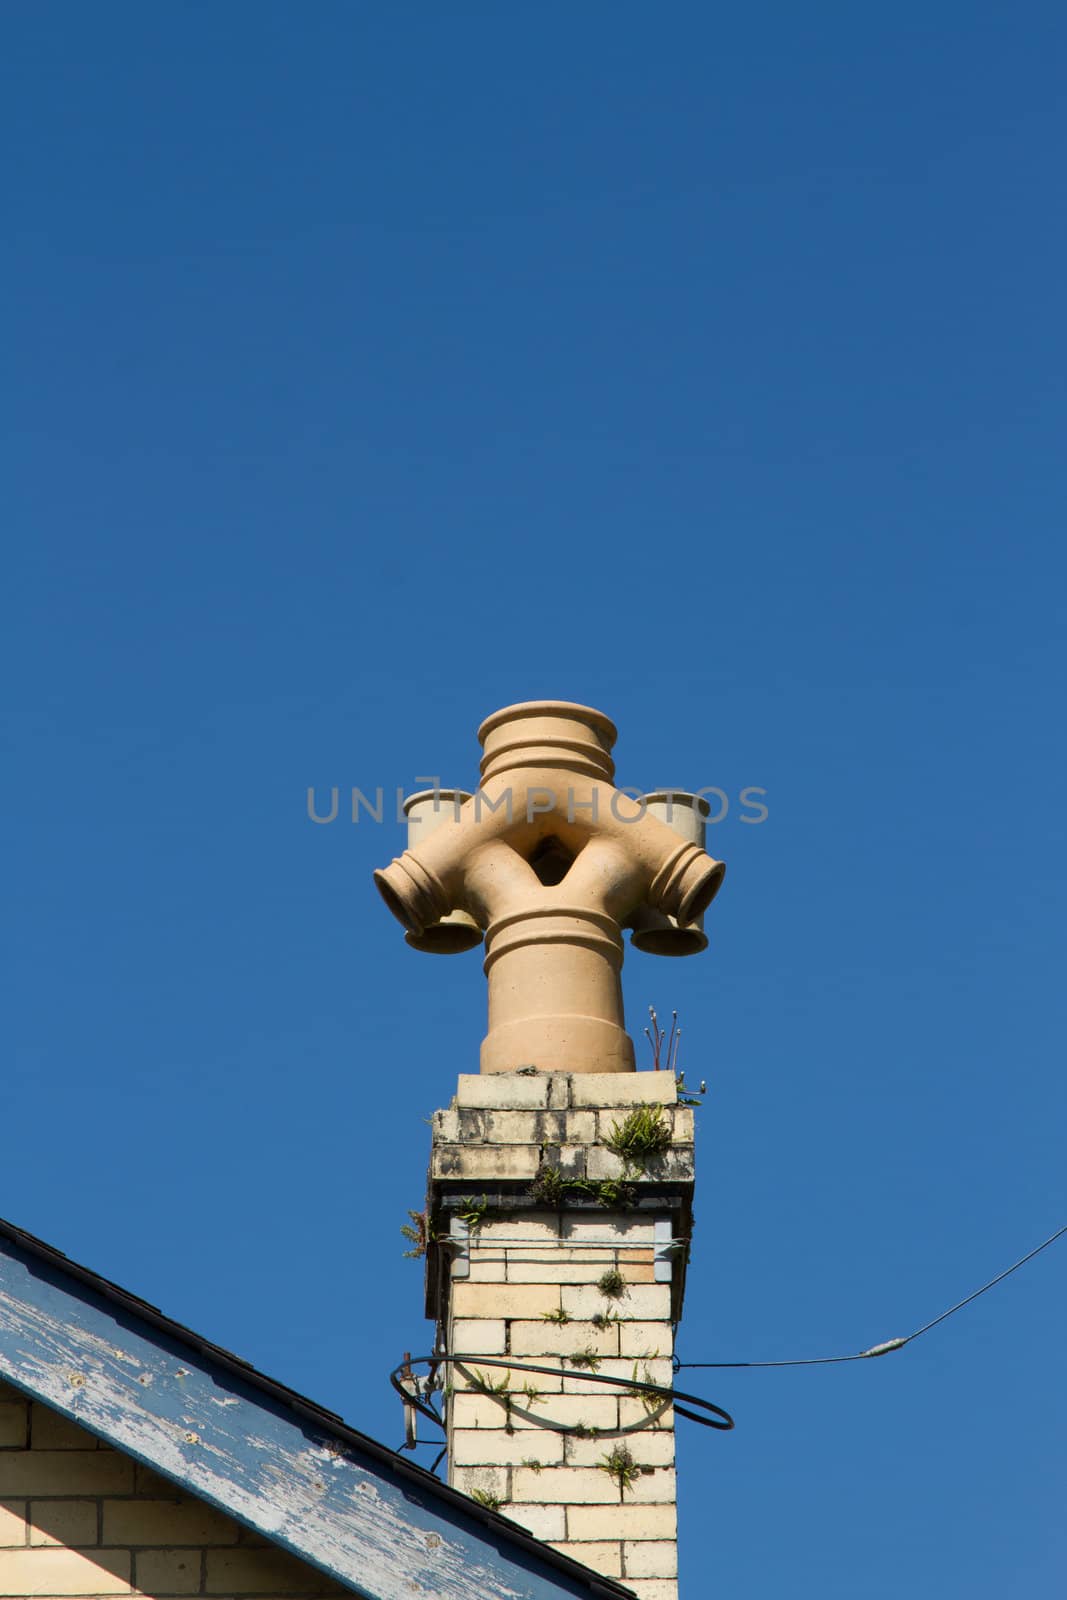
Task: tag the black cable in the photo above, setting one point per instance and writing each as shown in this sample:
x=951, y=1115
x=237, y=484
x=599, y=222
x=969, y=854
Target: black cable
x=890, y=1344
x=670, y=1395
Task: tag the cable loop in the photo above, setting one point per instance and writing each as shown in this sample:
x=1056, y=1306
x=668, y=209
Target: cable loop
x=718, y=1418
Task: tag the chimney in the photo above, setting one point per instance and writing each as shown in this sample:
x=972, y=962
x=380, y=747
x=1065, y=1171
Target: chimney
x=559, y=1206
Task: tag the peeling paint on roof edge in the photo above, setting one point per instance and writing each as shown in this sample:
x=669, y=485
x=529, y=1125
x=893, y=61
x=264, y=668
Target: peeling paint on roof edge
x=272, y=1459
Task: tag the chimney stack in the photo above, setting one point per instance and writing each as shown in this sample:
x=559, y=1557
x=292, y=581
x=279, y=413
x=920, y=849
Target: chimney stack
x=559, y=1207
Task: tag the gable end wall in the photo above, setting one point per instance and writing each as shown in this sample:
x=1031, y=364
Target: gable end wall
x=80, y=1519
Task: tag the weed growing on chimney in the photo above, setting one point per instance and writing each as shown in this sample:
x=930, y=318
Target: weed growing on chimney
x=534, y=1466
x=612, y=1284
x=496, y=1391
x=612, y=1192
x=549, y=1188
x=559, y=1315
x=491, y=1502
x=621, y=1466
x=419, y=1232
x=651, y=1402
x=586, y=1358
x=604, y=1319
x=482, y=1384
x=642, y=1134
x=533, y=1396
x=473, y=1212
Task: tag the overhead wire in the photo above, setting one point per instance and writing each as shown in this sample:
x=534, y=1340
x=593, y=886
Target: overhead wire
x=889, y=1344
x=416, y=1394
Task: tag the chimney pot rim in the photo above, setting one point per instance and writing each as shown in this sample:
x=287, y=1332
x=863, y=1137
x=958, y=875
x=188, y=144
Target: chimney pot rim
x=548, y=708
x=680, y=797
x=443, y=795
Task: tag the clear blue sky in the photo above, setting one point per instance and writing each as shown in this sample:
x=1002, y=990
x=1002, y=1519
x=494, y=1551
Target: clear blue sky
x=372, y=367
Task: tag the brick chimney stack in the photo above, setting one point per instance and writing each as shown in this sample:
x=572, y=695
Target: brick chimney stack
x=559, y=1207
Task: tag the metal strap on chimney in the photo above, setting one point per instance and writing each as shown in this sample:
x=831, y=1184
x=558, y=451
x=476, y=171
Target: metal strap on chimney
x=665, y=1246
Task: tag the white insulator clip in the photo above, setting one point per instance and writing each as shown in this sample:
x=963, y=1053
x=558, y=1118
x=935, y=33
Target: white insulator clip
x=884, y=1349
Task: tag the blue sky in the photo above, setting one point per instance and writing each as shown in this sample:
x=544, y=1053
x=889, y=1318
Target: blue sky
x=370, y=368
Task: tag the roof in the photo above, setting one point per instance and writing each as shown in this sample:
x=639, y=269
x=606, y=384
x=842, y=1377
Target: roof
x=274, y=1460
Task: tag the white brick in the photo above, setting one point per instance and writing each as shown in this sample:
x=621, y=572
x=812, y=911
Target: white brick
x=572, y=1410
x=483, y=1269
x=661, y=1415
x=446, y=1127
x=646, y=1339
x=503, y=1300
x=623, y=1089
x=462, y=1372
x=64, y=1472
x=531, y=1414
x=467, y=1375
x=470, y=1447
x=13, y=1528
x=650, y=1558
x=572, y=1267
x=228, y=1572
x=648, y=1448
x=652, y=1447
x=490, y=1480
x=603, y=1557
x=176, y=1571
x=570, y=1160
x=613, y=1368
x=64, y=1572
x=471, y=1410
x=550, y=1252
x=608, y=1228
x=544, y=1522
x=642, y=1302
x=622, y=1521
x=675, y=1165
x=654, y=1588
x=14, y=1422
x=50, y=1430
x=678, y=1119
x=579, y=1452
x=481, y=1163
x=581, y=1127
x=637, y=1266
x=530, y=1127
x=564, y=1486
x=67, y=1522
x=524, y=1127
x=684, y=1126
x=537, y=1341
x=519, y=1225
x=480, y=1336
x=653, y=1488
x=565, y=1339
x=657, y=1370
x=559, y=1090
x=165, y=1523
x=509, y=1090
x=604, y=1163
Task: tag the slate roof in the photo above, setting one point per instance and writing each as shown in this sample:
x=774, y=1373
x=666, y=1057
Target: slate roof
x=273, y=1459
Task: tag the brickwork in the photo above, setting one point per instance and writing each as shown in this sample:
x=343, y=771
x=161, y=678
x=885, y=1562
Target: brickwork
x=80, y=1519
x=573, y=1286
